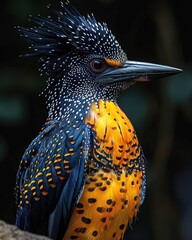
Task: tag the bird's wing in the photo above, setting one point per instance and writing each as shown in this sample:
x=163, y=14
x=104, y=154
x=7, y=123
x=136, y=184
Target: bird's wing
x=51, y=177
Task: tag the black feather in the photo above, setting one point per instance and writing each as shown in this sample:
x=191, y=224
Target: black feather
x=50, y=178
x=52, y=38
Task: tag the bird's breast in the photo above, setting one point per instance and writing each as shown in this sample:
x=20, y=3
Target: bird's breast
x=114, y=184
x=115, y=140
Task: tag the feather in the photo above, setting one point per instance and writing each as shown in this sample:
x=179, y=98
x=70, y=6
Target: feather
x=50, y=178
x=69, y=32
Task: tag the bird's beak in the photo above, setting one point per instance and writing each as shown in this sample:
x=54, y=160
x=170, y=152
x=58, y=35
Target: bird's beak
x=136, y=71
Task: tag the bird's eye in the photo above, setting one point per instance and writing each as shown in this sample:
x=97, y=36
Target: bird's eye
x=97, y=65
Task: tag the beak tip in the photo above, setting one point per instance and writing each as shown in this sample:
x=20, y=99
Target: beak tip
x=179, y=70
x=154, y=71
x=176, y=70
x=171, y=71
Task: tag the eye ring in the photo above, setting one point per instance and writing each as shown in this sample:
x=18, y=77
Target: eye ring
x=97, y=65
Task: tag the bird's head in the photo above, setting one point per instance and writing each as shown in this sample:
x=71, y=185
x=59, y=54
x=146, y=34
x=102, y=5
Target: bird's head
x=82, y=57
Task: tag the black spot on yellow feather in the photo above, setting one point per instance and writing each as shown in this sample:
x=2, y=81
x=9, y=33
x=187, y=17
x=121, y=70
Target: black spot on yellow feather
x=100, y=209
x=109, y=210
x=80, y=205
x=122, y=226
x=80, y=211
x=86, y=220
x=92, y=200
x=99, y=184
x=108, y=182
x=114, y=234
x=91, y=189
x=109, y=201
x=95, y=233
x=81, y=230
x=103, y=189
x=103, y=219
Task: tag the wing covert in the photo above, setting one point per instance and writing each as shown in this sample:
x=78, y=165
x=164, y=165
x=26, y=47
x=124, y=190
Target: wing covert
x=51, y=176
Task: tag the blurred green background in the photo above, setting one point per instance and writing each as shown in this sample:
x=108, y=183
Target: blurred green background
x=156, y=31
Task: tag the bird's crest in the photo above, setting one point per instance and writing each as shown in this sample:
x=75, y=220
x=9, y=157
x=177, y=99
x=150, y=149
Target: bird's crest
x=52, y=39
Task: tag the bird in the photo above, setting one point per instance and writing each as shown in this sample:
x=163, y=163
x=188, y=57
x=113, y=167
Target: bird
x=84, y=175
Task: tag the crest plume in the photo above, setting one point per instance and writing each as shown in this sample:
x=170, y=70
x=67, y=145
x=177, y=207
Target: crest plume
x=53, y=39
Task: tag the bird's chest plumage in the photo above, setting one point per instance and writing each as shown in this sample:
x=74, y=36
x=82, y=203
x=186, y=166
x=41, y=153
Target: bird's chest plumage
x=115, y=181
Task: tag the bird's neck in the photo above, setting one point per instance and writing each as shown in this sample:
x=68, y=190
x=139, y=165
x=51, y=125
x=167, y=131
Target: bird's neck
x=66, y=100
x=73, y=107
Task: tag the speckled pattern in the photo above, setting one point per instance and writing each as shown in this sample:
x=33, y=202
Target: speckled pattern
x=115, y=186
x=83, y=176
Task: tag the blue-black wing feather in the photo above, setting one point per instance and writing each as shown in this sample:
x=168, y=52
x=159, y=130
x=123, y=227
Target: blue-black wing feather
x=51, y=176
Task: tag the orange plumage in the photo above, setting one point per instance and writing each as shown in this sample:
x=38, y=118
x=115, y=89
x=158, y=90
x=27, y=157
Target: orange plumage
x=110, y=198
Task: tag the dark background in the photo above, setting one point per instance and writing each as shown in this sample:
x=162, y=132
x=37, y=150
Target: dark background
x=161, y=111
